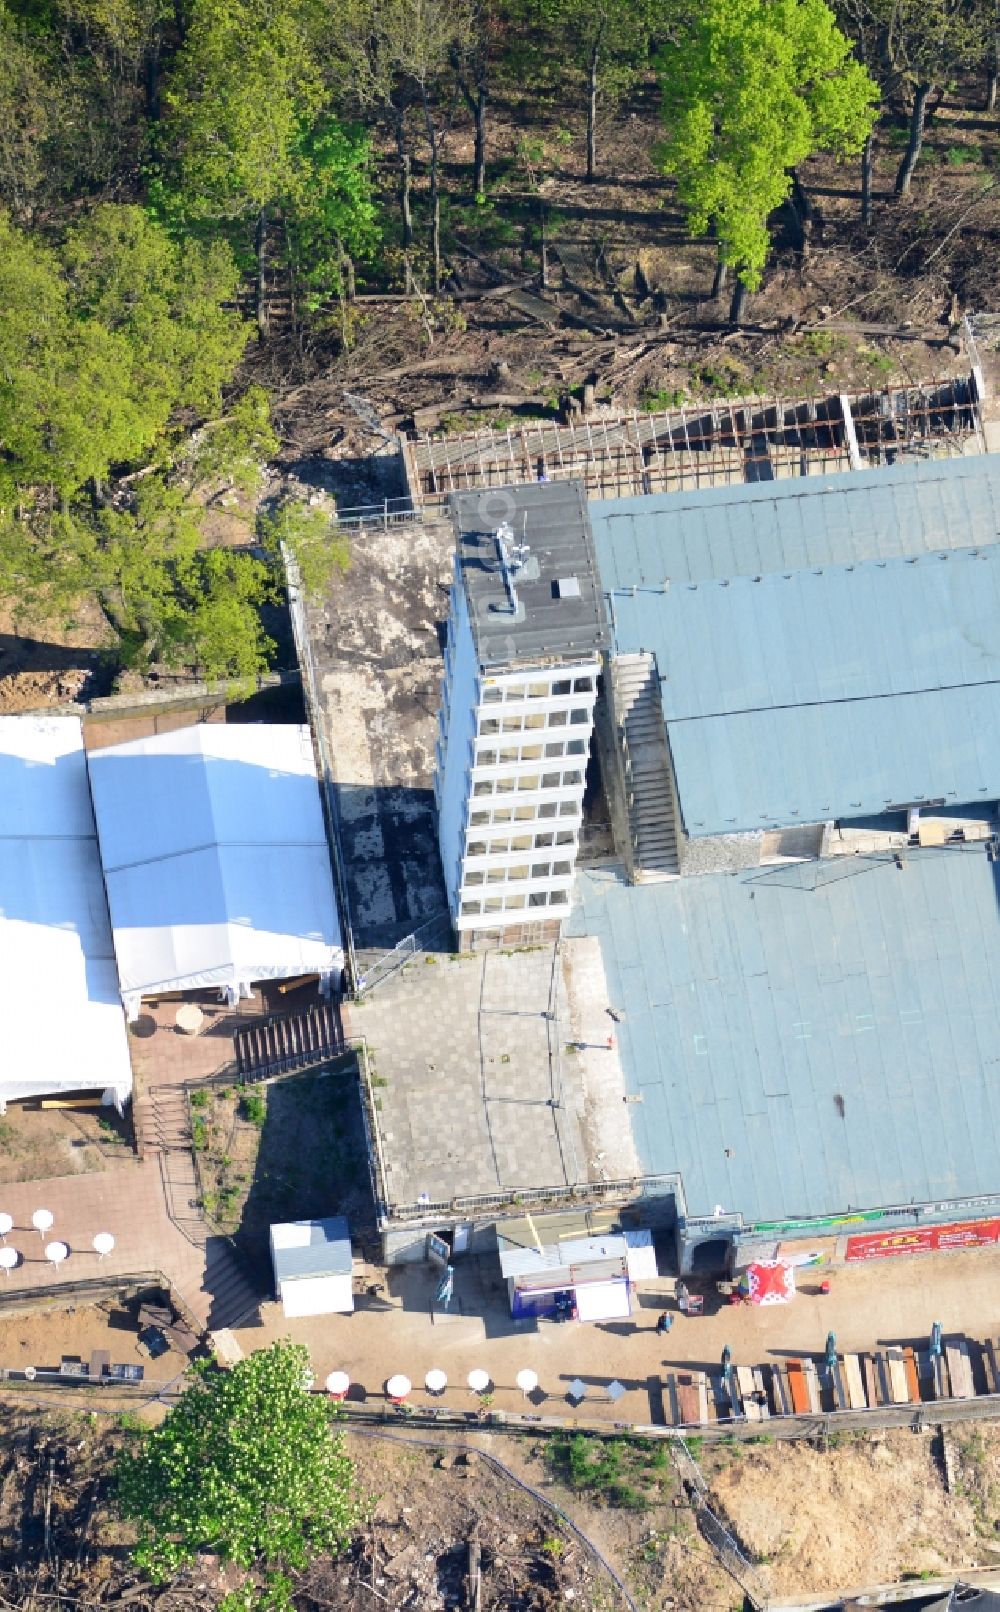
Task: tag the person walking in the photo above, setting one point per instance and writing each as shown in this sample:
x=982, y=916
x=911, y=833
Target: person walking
x=663, y=1323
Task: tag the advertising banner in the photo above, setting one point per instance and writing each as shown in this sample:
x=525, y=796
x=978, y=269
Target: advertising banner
x=924, y=1240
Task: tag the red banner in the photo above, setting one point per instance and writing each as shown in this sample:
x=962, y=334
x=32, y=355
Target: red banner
x=924, y=1240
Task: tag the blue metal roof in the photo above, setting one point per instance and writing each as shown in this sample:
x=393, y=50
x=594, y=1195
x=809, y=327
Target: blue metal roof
x=838, y=683
x=839, y=519
x=812, y=1038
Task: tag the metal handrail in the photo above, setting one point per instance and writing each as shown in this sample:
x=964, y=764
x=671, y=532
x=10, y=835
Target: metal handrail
x=390, y=512
x=408, y=947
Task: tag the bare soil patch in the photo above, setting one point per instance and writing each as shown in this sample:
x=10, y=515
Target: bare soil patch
x=37, y=1143
x=290, y=1149
x=864, y=1510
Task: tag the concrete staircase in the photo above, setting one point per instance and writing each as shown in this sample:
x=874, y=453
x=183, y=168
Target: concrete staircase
x=646, y=763
x=227, y=1293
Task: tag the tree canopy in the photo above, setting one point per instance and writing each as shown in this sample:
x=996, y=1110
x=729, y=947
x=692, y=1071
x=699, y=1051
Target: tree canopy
x=750, y=89
x=249, y=1465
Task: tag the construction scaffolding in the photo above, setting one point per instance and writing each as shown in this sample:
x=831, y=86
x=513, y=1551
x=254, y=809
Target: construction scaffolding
x=706, y=445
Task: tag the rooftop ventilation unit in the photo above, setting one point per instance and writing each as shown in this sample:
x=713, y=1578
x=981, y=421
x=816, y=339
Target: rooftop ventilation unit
x=513, y=558
x=568, y=588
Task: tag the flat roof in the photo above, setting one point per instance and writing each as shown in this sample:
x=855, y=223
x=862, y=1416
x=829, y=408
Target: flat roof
x=311, y=1248
x=551, y=621
x=811, y=1038
x=820, y=659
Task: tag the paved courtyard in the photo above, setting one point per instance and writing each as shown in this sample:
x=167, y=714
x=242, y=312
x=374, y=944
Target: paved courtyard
x=480, y=1087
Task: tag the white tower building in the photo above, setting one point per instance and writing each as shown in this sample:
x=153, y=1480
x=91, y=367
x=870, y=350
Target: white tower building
x=525, y=634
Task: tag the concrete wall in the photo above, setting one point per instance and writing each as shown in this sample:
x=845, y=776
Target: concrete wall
x=457, y=730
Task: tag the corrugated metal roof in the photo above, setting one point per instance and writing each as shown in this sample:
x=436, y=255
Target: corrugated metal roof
x=324, y=1248
x=552, y=519
x=783, y=526
x=814, y=1038
x=829, y=692
x=822, y=689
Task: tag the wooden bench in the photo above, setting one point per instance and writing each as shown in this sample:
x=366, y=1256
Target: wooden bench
x=692, y=1397
x=960, y=1369
x=854, y=1383
x=797, y=1387
x=896, y=1377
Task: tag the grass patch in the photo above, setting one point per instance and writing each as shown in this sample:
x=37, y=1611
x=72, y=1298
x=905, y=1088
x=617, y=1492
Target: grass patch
x=253, y=1108
x=614, y=1473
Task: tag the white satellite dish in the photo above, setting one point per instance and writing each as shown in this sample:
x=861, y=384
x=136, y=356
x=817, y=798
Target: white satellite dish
x=56, y=1252
x=103, y=1244
x=527, y=1381
x=337, y=1384
x=398, y=1387
x=6, y=1225
x=436, y=1381
x=41, y=1220
x=8, y=1259
x=478, y=1380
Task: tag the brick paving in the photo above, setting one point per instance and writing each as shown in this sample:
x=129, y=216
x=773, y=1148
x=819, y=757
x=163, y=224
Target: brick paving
x=127, y=1202
x=149, y=1206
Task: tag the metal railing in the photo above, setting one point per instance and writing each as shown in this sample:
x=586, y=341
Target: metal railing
x=579, y=1195
x=390, y=512
x=419, y=940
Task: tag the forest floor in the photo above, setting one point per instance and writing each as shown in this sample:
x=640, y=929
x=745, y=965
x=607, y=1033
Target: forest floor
x=812, y=1519
x=624, y=304
x=632, y=307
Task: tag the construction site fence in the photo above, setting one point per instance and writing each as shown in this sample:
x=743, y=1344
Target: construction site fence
x=821, y=1428
x=434, y=935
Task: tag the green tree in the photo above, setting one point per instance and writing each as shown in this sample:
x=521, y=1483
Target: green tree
x=608, y=42
x=312, y=540
x=249, y=137
x=926, y=42
x=27, y=113
x=247, y=1464
x=750, y=89
x=400, y=55
x=333, y=219
x=243, y=87
x=112, y=349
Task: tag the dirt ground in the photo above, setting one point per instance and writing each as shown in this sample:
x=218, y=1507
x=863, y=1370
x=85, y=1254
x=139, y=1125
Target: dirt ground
x=655, y=338
x=281, y=1151
x=855, y=1512
x=868, y=1510
x=36, y=1143
x=42, y=1339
